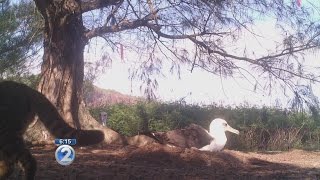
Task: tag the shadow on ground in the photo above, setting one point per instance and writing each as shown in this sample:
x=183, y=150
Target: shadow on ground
x=162, y=162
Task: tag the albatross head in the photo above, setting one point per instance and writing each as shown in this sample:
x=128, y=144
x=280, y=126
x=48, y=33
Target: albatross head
x=218, y=125
x=217, y=130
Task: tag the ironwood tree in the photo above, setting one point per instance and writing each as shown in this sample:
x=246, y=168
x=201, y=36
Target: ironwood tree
x=154, y=27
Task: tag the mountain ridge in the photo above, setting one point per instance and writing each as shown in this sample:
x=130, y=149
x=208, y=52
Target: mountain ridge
x=99, y=97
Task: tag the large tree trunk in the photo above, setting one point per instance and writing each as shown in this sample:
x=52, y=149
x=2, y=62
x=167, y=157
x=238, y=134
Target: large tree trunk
x=62, y=70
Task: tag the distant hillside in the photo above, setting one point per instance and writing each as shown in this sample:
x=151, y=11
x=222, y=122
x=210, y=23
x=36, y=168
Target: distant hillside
x=104, y=97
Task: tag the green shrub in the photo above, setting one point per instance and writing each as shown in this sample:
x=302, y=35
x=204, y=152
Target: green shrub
x=260, y=128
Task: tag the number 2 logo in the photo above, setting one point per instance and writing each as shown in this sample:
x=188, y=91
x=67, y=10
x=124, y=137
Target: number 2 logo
x=65, y=155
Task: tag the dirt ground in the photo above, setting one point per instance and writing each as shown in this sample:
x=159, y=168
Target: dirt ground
x=162, y=162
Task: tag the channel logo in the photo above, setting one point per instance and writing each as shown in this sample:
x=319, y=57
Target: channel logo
x=65, y=155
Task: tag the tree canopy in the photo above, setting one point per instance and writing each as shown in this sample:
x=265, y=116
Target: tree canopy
x=20, y=35
x=202, y=35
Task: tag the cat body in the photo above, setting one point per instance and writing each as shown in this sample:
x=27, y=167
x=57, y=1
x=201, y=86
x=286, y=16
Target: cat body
x=18, y=106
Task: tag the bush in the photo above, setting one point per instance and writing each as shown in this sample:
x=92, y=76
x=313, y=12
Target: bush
x=260, y=128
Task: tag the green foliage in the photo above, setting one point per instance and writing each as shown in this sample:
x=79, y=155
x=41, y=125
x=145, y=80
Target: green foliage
x=30, y=80
x=260, y=128
x=122, y=118
x=20, y=36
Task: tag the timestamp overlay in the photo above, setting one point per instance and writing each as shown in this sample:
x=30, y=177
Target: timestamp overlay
x=65, y=154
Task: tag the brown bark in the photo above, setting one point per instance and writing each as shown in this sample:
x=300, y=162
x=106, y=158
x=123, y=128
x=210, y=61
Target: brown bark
x=62, y=70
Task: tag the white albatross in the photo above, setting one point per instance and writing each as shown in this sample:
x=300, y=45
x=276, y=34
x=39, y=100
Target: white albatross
x=217, y=130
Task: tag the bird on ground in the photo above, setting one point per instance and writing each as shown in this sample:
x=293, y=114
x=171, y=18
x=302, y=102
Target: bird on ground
x=196, y=137
x=217, y=130
x=192, y=136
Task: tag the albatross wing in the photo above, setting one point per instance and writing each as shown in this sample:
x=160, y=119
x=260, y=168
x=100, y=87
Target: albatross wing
x=190, y=136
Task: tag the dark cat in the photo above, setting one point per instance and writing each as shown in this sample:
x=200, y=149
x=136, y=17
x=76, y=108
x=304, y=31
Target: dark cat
x=18, y=106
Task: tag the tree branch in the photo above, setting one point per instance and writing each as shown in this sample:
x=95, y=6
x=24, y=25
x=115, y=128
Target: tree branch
x=253, y=61
x=42, y=5
x=259, y=62
x=123, y=25
x=156, y=29
x=90, y=5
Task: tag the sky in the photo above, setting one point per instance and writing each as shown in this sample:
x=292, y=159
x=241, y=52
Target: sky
x=200, y=87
